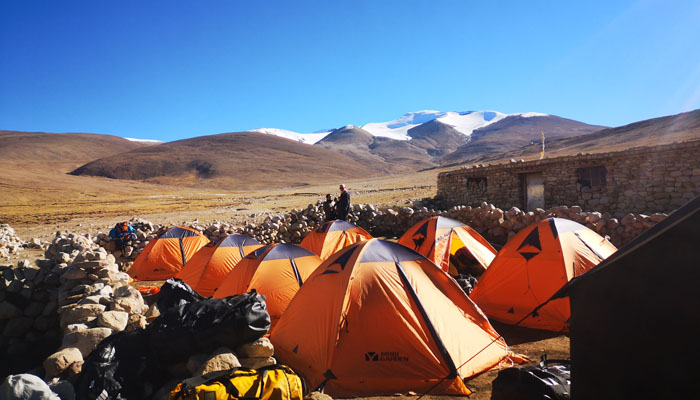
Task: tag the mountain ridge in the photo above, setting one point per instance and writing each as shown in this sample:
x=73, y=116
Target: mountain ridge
x=245, y=160
x=253, y=160
x=463, y=121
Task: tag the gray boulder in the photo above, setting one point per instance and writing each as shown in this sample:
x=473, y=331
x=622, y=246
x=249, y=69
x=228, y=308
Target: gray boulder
x=114, y=320
x=257, y=362
x=78, y=313
x=222, y=359
x=260, y=348
x=59, y=361
x=86, y=340
x=129, y=299
x=18, y=327
x=26, y=387
x=9, y=310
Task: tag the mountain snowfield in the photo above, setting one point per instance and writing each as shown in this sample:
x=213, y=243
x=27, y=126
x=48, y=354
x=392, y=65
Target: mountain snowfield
x=464, y=122
x=308, y=138
x=153, y=141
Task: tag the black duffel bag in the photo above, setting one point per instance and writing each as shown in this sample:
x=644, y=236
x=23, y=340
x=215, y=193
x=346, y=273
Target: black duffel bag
x=543, y=381
x=204, y=325
x=176, y=292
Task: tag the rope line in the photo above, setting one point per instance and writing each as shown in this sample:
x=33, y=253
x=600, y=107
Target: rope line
x=500, y=336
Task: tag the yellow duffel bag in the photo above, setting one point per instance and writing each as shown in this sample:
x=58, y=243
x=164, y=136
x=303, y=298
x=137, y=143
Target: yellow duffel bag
x=275, y=382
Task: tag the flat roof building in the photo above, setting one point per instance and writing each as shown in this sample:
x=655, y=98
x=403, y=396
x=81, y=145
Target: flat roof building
x=639, y=180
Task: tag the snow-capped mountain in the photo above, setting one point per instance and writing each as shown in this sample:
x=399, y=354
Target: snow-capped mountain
x=427, y=138
x=148, y=141
x=308, y=138
x=397, y=129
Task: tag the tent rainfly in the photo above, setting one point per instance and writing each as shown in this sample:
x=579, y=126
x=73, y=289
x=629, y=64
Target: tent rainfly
x=451, y=245
x=532, y=266
x=210, y=265
x=379, y=318
x=166, y=255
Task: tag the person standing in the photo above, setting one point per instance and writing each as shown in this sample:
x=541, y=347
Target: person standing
x=342, y=207
x=329, y=208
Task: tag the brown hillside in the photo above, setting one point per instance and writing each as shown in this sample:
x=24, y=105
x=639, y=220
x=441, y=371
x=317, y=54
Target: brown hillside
x=514, y=132
x=401, y=152
x=70, y=148
x=382, y=154
x=437, y=138
x=242, y=160
x=664, y=130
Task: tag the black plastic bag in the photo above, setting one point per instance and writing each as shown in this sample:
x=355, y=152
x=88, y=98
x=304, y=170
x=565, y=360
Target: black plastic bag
x=176, y=292
x=533, y=382
x=121, y=367
x=132, y=365
x=466, y=282
x=203, y=326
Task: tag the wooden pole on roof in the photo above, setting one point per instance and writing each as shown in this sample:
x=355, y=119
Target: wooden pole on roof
x=542, y=151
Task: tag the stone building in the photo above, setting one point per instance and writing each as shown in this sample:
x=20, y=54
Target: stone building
x=638, y=180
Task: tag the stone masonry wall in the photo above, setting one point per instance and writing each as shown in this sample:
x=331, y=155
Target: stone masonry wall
x=639, y=180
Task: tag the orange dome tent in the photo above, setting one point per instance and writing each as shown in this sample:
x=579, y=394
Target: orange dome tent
x=378, y=318
x=443, y=240
x=165, y=256
x=276, y=271
x=333, y=236
x=532, y=266
x=210, y=265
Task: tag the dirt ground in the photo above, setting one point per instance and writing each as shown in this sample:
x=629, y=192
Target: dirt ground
x=38, y=205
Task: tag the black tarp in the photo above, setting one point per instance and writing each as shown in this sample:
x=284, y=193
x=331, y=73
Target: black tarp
x=635, y=319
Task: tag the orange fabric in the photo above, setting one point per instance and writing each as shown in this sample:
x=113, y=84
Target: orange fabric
x=162, y=258
x=273, y=278
x=532, y=266
x=359, y=320
x=435, y=243
x=192, y=272
x=324, y=242
x=479, y=247
x=210, y=265
x=148, y=289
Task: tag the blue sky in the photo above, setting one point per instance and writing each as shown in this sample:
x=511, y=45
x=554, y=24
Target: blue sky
x=175, y=69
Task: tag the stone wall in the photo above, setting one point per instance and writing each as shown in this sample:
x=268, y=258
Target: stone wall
x=495, y=224
x=28, y=319
x=639, y=180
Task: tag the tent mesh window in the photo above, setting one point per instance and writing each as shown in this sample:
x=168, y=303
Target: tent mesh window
x=591, y=176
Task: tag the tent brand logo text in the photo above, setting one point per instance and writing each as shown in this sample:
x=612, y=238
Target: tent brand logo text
x=385, y=356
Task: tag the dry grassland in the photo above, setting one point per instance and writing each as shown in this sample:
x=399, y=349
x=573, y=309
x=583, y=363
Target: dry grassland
x=39, y=199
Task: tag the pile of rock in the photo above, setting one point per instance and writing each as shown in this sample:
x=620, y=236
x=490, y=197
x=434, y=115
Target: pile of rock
x=28, y=320
x=10, y=243
x=94, y=300
x=69, y=301
x=145, y=232
x=493, y=223
x=216, y=230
